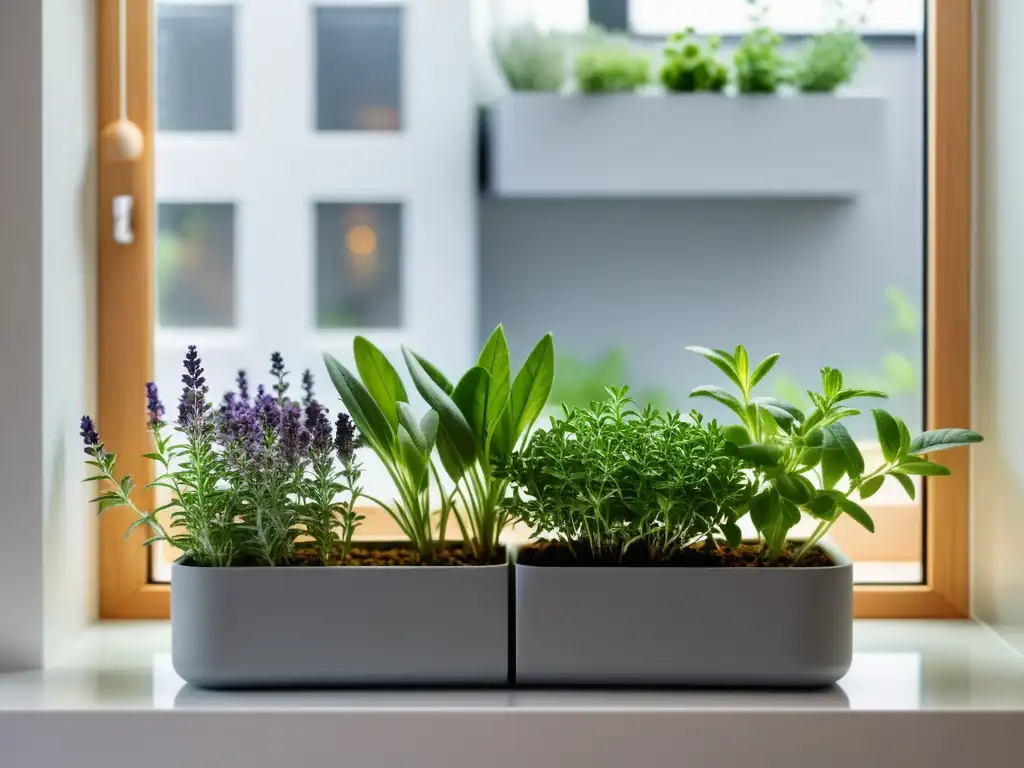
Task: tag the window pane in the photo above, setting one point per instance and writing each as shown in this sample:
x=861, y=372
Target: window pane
x=195, y=264
x=195, y=68
x=358, y=265
x=358, y=69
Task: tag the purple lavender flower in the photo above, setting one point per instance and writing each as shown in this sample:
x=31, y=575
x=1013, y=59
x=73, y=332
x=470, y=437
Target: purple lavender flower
x=345, y=439
x=243, y=386
x=240, y=428
x=295, y=438
x=89, y=435
x=154, y=407
x=278, y=372
x=307, y=387
x=192, y=406
x=268, y=408
x=319, y=426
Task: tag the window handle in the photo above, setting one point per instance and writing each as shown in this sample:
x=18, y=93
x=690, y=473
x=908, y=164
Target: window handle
x=122, y=209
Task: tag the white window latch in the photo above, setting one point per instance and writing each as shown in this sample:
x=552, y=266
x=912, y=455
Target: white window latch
x=122, y=209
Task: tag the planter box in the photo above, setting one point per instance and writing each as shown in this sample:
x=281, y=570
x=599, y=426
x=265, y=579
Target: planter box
x=744, y=627
x=703, y=145
x=340, y=626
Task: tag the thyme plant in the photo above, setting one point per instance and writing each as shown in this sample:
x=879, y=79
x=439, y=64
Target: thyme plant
x=759, y=63
x=798, y=462
x=611, y=477
x=245, y=480
x=482, y=419
x=828, y=60
x=611, y=66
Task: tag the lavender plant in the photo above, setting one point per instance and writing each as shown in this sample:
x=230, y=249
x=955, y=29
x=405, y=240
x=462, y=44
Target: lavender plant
x=246, y=480
x=798, y=462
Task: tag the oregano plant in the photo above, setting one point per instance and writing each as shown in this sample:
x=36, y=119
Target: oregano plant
x=809, y=463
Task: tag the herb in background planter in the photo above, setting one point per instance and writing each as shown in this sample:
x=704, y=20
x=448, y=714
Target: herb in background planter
x=828, y=60
x=530, y=59
x=798, y=461
x=760, y=65
x=482, y=419
x=611, y=66
x=690, y=68
x=245, y=480
x=608, y=478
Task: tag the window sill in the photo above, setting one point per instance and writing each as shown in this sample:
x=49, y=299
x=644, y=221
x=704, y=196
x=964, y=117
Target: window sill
x=911, y=686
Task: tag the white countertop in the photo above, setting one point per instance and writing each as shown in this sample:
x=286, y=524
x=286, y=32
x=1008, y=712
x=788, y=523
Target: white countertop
x=117, y=689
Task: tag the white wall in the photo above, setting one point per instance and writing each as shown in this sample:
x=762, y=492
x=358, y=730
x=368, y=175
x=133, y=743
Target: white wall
x=998, y=464
x=46, y=263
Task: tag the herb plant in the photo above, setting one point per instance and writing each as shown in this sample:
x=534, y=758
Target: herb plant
x=482, y=419
x=828, y=60
x=611, y=66
x=799, y=461
x=760, y=65
x=530, y=59
x=611, y=477
x=689, y=68
x=245, y=480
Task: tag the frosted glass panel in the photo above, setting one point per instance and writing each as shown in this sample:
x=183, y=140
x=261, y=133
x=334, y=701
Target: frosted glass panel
x=195, y=67
x=358, y=69
x=358, y=265
x=195, y=256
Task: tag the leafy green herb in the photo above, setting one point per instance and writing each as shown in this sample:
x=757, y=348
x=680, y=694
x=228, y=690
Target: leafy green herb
x=481, y=421
x=612, y=477
x=611, y=66
x=530, y=59
x=829, y=60
x=760, y=65
x=797, y=460
x=689, y=68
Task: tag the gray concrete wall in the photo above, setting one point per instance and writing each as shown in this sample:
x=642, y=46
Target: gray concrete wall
x=804, y=278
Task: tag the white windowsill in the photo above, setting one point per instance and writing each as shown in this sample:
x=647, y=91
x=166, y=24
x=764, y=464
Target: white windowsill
x=929, y=671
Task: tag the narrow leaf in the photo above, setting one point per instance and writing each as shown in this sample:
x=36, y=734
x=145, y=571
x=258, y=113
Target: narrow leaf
x=739, y=356
x=833, y=467
x=888, y=435
x=822, y=506
x=907, y=483
x=532, y=386
x=407, y=419
x=761, y=455
x=380, y=378
x=855, y=511
x=722, y=360
x=733, y=534
x=454, y=423
x=725, y=398
x=796, y=488
x=435, y=375
x=495, y=360
x=763, y=368
x=364, y=410
x=870, y=488
x=471, y=396
x=922, y=467
x=943, y=439
x=837, y=436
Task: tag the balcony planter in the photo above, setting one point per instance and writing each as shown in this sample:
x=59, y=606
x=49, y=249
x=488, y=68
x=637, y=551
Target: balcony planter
x=686, y=145
x=340, y=626
x=773, y=627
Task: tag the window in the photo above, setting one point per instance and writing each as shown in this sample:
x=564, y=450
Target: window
x=293, y=201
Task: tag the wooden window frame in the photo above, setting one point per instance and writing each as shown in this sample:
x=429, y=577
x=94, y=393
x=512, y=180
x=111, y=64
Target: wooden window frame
x=127, y=299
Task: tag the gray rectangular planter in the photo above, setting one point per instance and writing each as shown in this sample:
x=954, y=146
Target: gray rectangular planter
x=339, y=626
x=687, y=145
x=745, y=627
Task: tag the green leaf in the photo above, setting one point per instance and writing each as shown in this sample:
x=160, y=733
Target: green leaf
x=435, y=375
x=413, y=459
x=532, y=386
x=736, y=434
x=364, y=410
x=762, y=511
x=921, y=467
x=733, y=534
x=454, y=423
x=725, y=398
x=453, y=464
x=722, y=360
x=810, y=457
x=494, y=359
x=904, y=438
x=407, y=419
x=428, y=428
x=833, y=467
x=789, y=408
x=943, y=439
x=888, y=435
x=380, y=378
x=761, y=454
x=849, y=394
x=782, y=417
x=763, y=368
x=870, y=488
x=855, y=511
x=739, y=356
x=837, y=436
x=907, y=483
x=822, y=506
x=796, y=488
x=471, y=397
